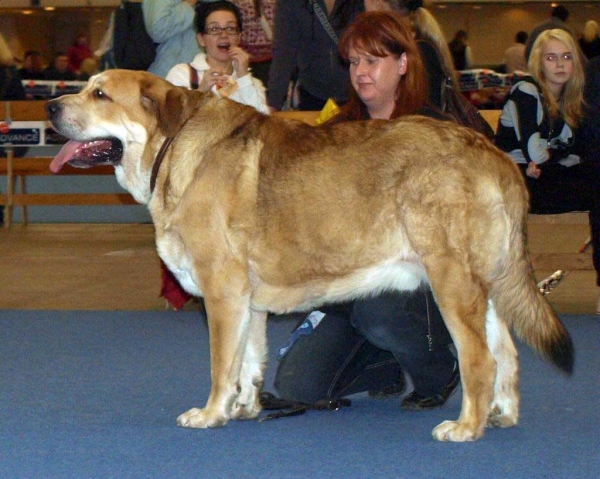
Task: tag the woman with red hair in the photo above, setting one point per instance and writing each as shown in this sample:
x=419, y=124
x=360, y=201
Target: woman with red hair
x=367, y=345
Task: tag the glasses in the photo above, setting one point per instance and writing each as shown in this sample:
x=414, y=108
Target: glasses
x=565, y=57
x=231, y=31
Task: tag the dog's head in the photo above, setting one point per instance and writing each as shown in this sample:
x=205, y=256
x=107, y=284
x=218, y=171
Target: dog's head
x=121, y=117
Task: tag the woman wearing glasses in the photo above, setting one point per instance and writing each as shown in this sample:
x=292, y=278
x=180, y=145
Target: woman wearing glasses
x=223, y=68
x=537, y=129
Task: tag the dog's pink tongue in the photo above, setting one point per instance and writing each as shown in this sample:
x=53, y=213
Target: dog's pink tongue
x=65, y=154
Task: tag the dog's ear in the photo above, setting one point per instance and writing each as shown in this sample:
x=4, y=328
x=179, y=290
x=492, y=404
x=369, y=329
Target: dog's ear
x=172, y=105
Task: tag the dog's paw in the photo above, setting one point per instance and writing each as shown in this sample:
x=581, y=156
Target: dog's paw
x=201, y=418
x=500, y=418
x=246, y=411
x=456, y=431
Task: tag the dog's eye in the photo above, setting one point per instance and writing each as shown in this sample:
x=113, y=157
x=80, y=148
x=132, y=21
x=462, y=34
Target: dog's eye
x=100, y=94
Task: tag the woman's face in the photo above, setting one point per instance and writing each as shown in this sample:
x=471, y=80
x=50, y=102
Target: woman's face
x=376, y=79
x=217, y=46
x=557, y=64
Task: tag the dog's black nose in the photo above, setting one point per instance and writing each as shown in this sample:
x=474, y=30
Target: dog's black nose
x=53, y=109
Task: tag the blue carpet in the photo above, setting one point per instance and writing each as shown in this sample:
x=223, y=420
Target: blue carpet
x=96, y=395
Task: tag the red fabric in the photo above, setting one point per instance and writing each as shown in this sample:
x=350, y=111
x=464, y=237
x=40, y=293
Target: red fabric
x=171, y=290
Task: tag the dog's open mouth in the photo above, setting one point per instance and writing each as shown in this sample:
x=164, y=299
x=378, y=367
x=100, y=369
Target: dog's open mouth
x=85, y=154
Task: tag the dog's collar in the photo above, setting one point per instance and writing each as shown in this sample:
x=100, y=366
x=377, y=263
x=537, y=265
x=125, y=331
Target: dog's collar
x=158, y=162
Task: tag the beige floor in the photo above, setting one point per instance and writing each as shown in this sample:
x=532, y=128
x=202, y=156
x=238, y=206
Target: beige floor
x=115, y=267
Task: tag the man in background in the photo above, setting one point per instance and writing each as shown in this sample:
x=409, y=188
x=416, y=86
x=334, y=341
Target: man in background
x=514, y=56
x=60, y=69
x=33, y=66
x=558, y=19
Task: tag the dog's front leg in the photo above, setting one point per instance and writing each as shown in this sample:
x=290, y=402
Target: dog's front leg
x=252, y=372
x=229, y=320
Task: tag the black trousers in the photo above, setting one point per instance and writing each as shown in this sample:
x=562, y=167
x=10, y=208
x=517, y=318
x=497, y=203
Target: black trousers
x=561, y=189
x=366, y=347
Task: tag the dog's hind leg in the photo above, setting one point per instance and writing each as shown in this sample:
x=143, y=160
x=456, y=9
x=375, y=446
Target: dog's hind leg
x=252, y=372
x=505, y=405
x=227, y=299
x=462, y=299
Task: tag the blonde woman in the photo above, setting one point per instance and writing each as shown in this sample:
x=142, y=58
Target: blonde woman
x=537, y=128
x=590, y=41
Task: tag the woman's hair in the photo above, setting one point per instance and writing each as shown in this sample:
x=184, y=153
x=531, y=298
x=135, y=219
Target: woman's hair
x=570, y=103
x=381, y=34
x=426, y=27
x=205, y=7
x=6, y=56
x=591, y=31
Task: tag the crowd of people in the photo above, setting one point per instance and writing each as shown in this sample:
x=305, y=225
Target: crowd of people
x=377, y=59
x=77, y=64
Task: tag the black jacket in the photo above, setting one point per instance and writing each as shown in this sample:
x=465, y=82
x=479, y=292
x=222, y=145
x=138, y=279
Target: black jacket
x=301, y=46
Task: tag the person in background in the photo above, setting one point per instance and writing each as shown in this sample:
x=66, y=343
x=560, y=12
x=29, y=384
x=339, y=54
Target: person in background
x=223, y=69
x=170, y=23
x=460, y=50
x=368, y=344
x=89, y=67
x=33, y=66
x=79, y=51
x=304, y=50
x=60, y=69
x=537, y=128
x=11, y=87
x=588, y=135
x=590, y=40
x=258, y=17
x=432, y=45
x=514, y=56
x=558, y=19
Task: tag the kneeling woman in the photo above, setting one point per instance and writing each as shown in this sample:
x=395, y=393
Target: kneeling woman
x=367, y=345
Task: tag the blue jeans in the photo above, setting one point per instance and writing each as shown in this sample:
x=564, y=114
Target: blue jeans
x=366, y=345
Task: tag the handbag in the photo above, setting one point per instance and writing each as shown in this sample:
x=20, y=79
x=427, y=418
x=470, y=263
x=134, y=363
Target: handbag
x=455, y=105
x=462, y=111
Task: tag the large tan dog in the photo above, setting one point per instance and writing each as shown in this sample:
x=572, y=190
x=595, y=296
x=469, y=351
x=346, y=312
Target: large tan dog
x=262, y=214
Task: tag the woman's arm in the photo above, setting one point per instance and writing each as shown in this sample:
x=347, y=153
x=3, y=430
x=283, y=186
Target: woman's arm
x=166, y=18
x=529, y=119
x=179, y=75
x=251, y=92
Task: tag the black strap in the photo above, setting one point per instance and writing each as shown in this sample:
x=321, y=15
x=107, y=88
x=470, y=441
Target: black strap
x=324, y=21
x=285, y=408
x=194, y=83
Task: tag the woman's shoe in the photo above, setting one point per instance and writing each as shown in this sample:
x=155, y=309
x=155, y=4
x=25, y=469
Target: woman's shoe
x=415, y=402
x=393, y=390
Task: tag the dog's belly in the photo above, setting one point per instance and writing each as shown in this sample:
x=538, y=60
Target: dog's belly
x=404, y=275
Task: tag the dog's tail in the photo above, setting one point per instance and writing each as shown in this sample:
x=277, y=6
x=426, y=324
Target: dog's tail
x=518, y=302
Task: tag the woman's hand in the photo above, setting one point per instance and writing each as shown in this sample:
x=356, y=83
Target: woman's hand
x=213, y=77
x=239, y=60
x=533, y=170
